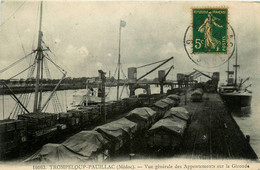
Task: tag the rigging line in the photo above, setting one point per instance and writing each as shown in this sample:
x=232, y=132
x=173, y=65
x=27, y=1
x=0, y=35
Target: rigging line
x=24, y=97
x=59, y=107
x=127, y=91
x=30, y=75
x=47, y=71
x=15, y=107
x=53, y=104
x=28, y=99
x=21, y=98
x=57, y=57
x=111, y=86
x=115, y=72
x=18, y=106
x=55, y=99
x=48, y=75
x=31, y=71
x=49, y=49
x=22, y=71
x=61, y=69
x=123, y=72
x=7, y=19
x=151, y=63
x=49, y=38
x=20, y=38
x=124, y=82
x=124, y=87
x=16, y=62
x=122, y=92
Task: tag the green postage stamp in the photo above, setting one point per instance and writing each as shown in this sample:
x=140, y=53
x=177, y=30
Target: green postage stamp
x=210, y=27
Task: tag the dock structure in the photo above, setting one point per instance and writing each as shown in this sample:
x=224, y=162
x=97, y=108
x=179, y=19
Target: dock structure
x=213, y=133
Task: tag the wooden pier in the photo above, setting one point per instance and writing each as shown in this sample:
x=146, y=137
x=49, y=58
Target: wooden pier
x=213, y=133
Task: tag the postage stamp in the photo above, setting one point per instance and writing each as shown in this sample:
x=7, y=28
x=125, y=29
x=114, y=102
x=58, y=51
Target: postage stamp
x=210, y=27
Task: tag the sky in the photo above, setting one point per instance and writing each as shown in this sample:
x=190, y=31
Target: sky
x=84, y=36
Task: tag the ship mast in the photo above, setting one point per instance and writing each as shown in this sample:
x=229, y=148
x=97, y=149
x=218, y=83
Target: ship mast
x=236, y=66
x=39, y=74
x=118, y=64
x=227, y=72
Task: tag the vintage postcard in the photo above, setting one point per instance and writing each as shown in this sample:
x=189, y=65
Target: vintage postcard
x=131, y=85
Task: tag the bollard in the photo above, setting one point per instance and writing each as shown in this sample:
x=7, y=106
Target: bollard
x=131, y=156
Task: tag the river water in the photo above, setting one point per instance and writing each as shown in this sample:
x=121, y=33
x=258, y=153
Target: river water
x=249, y=123
x=249, y=119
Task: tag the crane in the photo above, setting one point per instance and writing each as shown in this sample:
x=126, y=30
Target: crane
x=133, y=86
x=165, y=61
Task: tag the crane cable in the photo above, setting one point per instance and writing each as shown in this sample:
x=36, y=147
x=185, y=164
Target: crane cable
x=151, y=63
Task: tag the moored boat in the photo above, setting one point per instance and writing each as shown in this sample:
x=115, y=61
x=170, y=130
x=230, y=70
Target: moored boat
x=237, y=98
x=233, y=94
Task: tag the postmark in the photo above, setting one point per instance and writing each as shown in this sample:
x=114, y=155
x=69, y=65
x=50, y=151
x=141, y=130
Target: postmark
x=210, y=30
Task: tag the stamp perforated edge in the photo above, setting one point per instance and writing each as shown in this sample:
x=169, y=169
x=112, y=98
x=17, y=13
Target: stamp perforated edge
x=207, y=7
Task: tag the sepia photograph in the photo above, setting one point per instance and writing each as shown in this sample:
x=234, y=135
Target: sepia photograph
x=129, y=85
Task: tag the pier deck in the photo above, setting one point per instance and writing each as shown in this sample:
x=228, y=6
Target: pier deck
x=213, y=133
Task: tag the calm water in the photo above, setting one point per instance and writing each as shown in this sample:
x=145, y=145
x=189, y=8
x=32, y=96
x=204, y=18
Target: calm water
x=249, y=122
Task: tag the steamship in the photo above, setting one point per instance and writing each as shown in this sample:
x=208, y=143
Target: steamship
x=233, y=94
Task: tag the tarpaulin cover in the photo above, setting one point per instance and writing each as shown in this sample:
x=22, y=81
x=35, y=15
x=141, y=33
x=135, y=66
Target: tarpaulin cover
x=174, y=97
x=196, y=92
x=175, y=125
x=178, y=114
x=169, y=101
x=52, y=153
x=180, y=109
x=150, y=111
x=117, y=128
x=127, y=125
x=143, y=112
x=161, y=104
x=86, y=142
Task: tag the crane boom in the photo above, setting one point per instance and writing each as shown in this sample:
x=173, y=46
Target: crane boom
x=163, y=79
x=155, y=68
x=203, y=73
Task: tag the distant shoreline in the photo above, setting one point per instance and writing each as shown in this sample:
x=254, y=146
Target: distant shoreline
x=31, y=89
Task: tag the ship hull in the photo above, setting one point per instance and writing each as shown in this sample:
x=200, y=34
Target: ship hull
x=236, y=100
